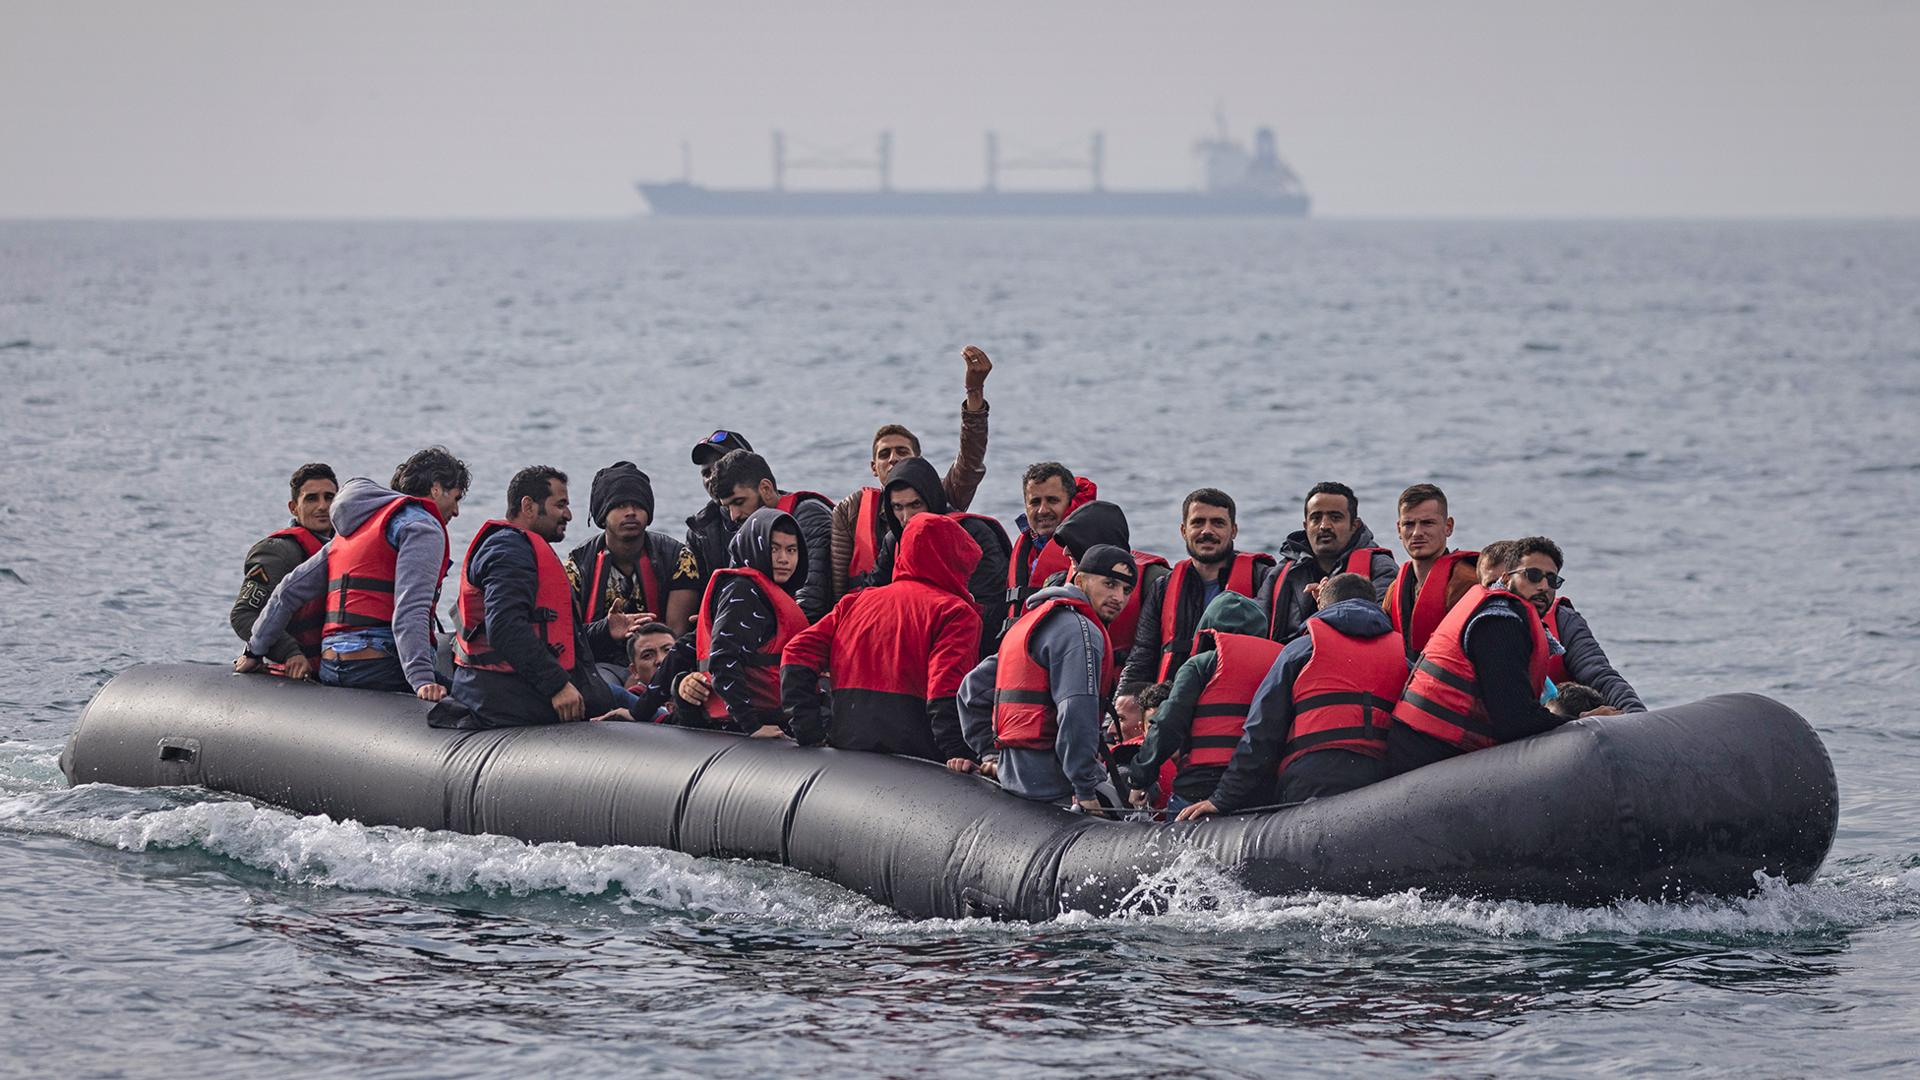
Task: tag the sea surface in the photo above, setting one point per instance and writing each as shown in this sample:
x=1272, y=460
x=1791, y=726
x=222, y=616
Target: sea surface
x=1717, y=421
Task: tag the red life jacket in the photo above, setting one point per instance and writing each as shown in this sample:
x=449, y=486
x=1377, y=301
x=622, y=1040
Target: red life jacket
x=596, y=586
x=791, y=499
x=1024, y=716
x=763, y=665
x=1442, y=699
x=1220, y=713
x=1343, y=699
x=866, y=537
x=1359, y=561
x=1556, y=664
x=1128, y=621
x=552, y=606
x=1239, y=580
x=308, y=624
x=1022, y=583
x=1169, y=771
x=1429, y=606
x=360, y=571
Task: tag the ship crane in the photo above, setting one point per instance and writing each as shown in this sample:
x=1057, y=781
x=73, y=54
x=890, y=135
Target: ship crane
x=1094, y=163
x=881, y=163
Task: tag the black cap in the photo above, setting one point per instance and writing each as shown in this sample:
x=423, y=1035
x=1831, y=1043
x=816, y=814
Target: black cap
x=717, y=445
x=618, y=483
x=1113, y=562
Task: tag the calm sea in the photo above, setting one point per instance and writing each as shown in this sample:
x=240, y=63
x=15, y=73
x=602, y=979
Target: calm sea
x=1716, y=421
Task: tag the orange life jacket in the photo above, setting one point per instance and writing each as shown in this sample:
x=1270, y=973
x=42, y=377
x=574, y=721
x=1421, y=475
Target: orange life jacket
x=360, y=570
x=791, y=499
x=1442, y=699
x=596, y=586
x=866, y=538
x=308, y=624
x=1024, y=716
x=1359, y=561
x=1128, y=621
x=552, y=606
x=1220, y=713
x=1556, y=664
x=1344, y=697
x=1022, y=583
x=1428, y=606
x=763, y=665
x=1240, y=579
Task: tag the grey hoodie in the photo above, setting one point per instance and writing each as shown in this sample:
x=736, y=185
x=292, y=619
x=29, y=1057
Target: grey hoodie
x=1070, y=646
x=420, y=564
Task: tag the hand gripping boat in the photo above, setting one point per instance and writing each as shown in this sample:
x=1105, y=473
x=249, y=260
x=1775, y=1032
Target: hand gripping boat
x=1696, y=799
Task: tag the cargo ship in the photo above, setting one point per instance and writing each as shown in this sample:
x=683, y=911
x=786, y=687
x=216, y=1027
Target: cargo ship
x=1237, y=183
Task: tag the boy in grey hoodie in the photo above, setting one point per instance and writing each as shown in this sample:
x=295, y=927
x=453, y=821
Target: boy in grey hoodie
x=399, y=654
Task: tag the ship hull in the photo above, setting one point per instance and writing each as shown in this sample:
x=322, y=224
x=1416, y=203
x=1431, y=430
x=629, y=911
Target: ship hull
x=687, y=200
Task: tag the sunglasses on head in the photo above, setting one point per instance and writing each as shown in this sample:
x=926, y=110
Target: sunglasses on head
x=1536, y=575
x=720, y=436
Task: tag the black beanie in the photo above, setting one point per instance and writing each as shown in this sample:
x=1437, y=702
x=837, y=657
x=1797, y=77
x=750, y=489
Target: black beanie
x=620, y=482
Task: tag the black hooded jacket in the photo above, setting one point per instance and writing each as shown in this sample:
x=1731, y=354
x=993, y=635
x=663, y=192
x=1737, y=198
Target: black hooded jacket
x=743, y=620
x=1296, y=608
x=988, y=583
x=708, y=533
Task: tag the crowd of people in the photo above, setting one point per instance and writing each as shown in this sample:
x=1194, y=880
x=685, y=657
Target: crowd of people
x=1054, y=659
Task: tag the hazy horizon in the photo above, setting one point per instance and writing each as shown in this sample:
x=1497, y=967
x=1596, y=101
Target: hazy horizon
x=1491, y=109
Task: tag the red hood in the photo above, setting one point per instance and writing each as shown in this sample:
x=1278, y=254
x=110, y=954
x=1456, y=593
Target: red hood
x=1084, y=491
x=937, y=551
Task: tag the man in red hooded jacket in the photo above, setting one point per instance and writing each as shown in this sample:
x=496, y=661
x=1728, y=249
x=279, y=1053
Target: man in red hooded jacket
x=897, y=653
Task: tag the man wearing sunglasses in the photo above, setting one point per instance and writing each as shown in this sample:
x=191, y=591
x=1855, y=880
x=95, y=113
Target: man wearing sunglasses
x=1537, y=580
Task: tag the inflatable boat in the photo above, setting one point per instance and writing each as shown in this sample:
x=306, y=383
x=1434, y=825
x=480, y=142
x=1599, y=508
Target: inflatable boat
x=1697, y=799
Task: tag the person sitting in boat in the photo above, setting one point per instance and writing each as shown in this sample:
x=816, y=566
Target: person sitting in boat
x=521, y=656
x=748, y=615
x=1321, y=711
x=627, y=575
x=1434, y=577
x=1032, y=710
x=297, y=652
x=1200, y=722
x=1101, y=522
x=1332, y=539
x=1581, y=660
x=742, y=483
x=1164, y=638
x=897, y=653
x=1478, y=682
x=380, y=576
x=1494, y=562
x=710, y=529
x=913, y=488
x=1049, y=492
x=651, y=650
x=1129, y=734
x=859, y=524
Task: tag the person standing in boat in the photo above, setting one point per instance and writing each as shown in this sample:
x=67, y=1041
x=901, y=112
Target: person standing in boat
x=1332, y=539
x=1049, y=492
x=1581, y=660
x=897, y=653
x=1434, y=577
x=749, y=613
x=710, y=529
x=1199, y=724
x=742, y=483
x=313, y=488
x=522, y=655
x=859, y=520
x=1164, y=638
x=627, y=574
x=380, y=576
x=913, y=488
x=1321, y=711
x=1031, y=712
x=1478, y=682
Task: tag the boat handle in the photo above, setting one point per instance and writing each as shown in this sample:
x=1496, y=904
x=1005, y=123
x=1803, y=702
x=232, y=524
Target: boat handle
x=179, y=748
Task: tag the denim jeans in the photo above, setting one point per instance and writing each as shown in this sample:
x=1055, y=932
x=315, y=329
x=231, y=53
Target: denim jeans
x=380, y=673
x=1175, y=804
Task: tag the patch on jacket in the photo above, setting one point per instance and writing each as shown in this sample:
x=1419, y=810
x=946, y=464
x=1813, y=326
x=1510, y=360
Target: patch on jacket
x=686, y=569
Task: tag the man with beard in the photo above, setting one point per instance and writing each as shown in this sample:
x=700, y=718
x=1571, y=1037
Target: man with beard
x=521, y=657
x=628, y=575
x=1332, y=540
x=297, y=652
x=1425, y=527
x=1049, y=491
x=1164, y=638
x=1537, y=580
x=859, y=525
x=1031, y=712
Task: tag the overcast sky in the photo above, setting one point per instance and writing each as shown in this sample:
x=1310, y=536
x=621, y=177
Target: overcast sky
x=475, y=109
